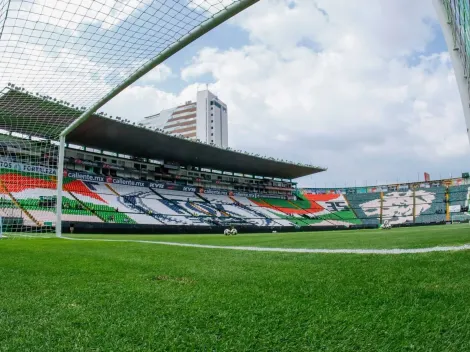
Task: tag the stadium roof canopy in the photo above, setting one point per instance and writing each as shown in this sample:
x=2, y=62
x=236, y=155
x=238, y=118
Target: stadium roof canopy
x=120, y=137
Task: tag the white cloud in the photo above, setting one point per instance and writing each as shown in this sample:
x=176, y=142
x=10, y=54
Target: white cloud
x=342, y=25
x=330, y=82
x=158, y=75
x=140, y=101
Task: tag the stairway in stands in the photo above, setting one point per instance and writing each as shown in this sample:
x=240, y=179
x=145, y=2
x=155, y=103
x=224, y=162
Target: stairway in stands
x=268, y=206
x=221, y=209
x=350, y=207
x=198, y=208
x=269, y=221
x=18, y=205
x=139, y=205
x=86, y=207
x=218, y=207
x=112, y=189
x=202, y=198
x=304, y=215
x=296, y=206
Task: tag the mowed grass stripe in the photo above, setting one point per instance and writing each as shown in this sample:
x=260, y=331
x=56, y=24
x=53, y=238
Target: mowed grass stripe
x=61, y=295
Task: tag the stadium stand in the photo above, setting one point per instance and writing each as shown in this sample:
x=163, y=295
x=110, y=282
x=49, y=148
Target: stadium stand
x=218, y=199
x=122, y=204
x=458, y=195
x=33, y=194
x=430, y=206
x=179, y=195
x=397, y=207
x=103, y=184
x=282, y=210
x=366, y=206
x=31, y=198
x=314, y=210
x=267, y=216
x=250, y=215
x=333, y=209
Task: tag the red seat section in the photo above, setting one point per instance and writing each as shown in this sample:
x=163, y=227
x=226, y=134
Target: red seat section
x=314, y=199
x=16, y=182
x=79, y=187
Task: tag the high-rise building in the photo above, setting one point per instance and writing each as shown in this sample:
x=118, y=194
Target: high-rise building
x=205, y=119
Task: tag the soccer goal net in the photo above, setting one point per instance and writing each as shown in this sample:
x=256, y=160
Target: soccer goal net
x=61, y=61
x=460, y=218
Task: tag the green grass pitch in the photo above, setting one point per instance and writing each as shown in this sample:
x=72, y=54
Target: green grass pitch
x=63, y=295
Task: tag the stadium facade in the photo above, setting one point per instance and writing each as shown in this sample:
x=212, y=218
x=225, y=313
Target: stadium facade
x=206, y=120
x=119, y=175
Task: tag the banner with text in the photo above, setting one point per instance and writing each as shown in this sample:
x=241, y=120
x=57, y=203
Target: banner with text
x=164, y=185
x=83, y=176
x=6, y=164
x=455, y=208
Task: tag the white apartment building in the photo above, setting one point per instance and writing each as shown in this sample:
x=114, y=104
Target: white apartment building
x=205, y=119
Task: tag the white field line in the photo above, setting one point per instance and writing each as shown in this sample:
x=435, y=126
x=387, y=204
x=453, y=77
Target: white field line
x=292, y=250
x=28, y=236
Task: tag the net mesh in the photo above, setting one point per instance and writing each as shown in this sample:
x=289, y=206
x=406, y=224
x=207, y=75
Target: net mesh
x=458, y=15
x=57, y=59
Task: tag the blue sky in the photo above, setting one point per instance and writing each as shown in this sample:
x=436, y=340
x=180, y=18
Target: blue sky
x=367, y=91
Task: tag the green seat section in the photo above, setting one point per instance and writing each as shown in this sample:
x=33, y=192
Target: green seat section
x=344, y=215
x=115, y=217
x=435, y=209
x=283, y=203
x=364, y=205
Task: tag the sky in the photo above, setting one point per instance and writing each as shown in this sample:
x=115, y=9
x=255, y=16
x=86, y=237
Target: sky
x=364, y=88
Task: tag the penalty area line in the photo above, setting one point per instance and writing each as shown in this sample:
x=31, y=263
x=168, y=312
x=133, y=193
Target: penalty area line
x=291, y=250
